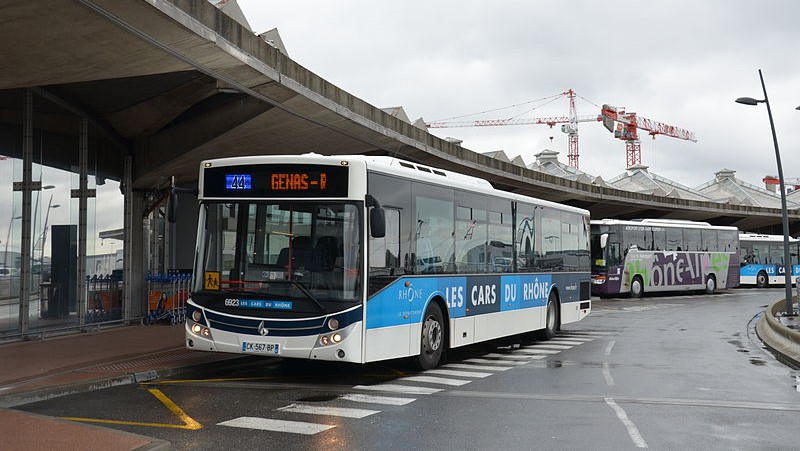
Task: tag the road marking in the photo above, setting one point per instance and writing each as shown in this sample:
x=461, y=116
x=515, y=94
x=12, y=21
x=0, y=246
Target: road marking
x=408, y=389
x=498, y=362
x=325, y=410
x=511, y=356
x=610, y=346
x=564, y=342
x=435, y=380
x=266, y=424
x=607, y=375
x=446, y=372
x=468, y=366
x=549, y=346
x=538, y=351
x=370, y=399
x=188, y=422
x=633, y=432
x=580, y=338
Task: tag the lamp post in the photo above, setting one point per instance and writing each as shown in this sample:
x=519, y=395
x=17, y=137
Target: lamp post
x=44, y=232
x=787, y=264
x=8, y=237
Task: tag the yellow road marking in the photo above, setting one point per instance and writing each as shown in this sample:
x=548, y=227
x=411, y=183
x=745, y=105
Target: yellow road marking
x=188, y=422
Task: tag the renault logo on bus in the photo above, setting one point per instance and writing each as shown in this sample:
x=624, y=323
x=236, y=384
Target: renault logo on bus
x=262, y=330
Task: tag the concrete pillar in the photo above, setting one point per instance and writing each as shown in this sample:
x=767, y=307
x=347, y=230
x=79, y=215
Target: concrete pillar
x=135, y=294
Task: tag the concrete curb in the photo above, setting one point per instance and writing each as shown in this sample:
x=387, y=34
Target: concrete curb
x=784, y=341
x=43, y=394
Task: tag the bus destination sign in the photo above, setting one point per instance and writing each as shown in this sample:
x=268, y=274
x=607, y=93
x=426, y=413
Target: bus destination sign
x=276, y=180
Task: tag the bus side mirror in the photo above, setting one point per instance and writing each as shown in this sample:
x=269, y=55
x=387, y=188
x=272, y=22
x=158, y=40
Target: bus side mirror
x=603, y=240
x=377, y=219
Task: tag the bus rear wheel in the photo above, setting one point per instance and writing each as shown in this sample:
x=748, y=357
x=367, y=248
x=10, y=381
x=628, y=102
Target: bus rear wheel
x=761, y=280
x=551, y=319
x=432, y=338
x=711, y=285
x=637, y=287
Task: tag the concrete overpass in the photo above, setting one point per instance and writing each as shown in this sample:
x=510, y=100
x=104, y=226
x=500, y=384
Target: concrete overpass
x=164, y=84
x=171, y=82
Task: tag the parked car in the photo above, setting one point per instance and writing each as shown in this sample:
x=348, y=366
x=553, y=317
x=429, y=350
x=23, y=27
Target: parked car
x=8, y=272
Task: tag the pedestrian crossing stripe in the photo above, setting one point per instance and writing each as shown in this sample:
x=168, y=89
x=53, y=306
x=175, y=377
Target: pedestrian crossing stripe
x=268, y=424
x=371, y=399
x=408, y=389
x=469, y=366
x=345, y=412
x=435, y=380
x=446, y=372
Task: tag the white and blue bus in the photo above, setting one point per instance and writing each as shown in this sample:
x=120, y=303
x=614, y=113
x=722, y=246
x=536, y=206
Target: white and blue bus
x=762, y=259
x=361, y=259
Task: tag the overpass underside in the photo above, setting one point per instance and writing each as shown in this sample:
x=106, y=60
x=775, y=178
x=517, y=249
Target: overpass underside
x=146, y=89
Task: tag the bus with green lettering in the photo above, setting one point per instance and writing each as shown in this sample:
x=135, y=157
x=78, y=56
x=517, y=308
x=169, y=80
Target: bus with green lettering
x=360, y=259
x=658, y=255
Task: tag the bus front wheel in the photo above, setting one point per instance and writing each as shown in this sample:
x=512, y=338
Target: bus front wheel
x=432, y=338
x=637, y=287
x=761, y=280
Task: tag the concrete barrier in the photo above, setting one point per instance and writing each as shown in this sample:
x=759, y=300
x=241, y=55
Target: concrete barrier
x=778, y=337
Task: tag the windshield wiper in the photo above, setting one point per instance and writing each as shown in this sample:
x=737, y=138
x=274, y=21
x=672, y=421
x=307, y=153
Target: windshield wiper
x=302, y=289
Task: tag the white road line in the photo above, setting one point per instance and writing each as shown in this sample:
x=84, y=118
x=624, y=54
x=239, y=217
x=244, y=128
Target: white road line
x=564, y=342
x=509, y=356
x=370, y=399
x=468, y=366
x=581, y=338
x=538, y=351
x=610, y=346
x=266, y=424
x=446, y=372
x=607, y=375
x=549, y=346
x=435, y=380
x=498, y=362
x=591, y=333
x=332, y=411
x=407, y=389
x=633, y=432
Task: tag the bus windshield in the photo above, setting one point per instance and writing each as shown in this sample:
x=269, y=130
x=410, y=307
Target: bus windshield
x=281, y=250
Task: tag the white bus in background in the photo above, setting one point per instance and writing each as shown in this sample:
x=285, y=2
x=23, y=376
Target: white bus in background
x=762, y=259
x=657, y=255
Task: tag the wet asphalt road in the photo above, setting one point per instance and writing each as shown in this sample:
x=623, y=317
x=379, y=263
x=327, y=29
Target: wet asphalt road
x=672, y=372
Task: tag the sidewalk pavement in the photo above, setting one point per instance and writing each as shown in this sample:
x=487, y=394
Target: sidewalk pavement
x=33, y=371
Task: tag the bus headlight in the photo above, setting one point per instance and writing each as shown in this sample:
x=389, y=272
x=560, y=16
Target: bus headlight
x=197, y=315
x=333, y=324
x=333, y=338
x=200, y=330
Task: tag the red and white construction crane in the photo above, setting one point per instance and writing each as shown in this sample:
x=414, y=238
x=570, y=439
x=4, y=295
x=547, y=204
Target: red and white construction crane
x=627, y=126
x=772, y=180
x=569, y=125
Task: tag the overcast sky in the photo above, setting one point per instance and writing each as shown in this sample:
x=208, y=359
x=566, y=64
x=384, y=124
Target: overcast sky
x=678, y=62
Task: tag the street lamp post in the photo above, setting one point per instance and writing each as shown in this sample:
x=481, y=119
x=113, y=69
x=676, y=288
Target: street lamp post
x=8, y=237
x=44, y=233
x=787, y=271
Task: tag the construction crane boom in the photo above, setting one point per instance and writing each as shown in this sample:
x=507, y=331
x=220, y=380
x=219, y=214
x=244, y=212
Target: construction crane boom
x=570, y=125
x=551, y=121
x=627, y=129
